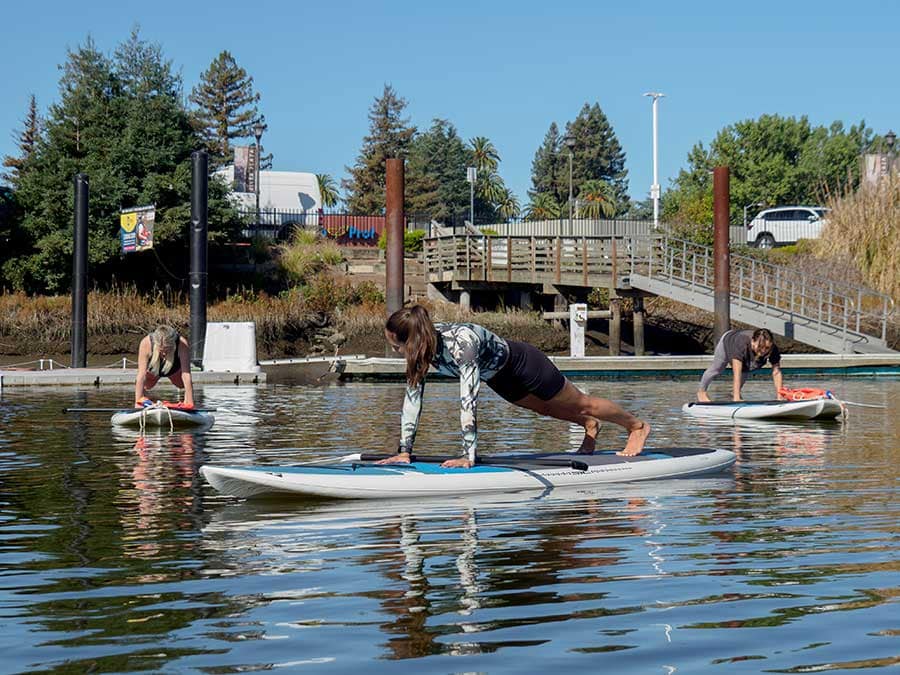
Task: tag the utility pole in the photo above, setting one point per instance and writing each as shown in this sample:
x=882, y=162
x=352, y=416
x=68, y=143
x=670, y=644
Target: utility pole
x=654, y=188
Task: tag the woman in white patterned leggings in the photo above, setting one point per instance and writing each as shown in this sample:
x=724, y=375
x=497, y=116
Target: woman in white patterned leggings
x=517, y=371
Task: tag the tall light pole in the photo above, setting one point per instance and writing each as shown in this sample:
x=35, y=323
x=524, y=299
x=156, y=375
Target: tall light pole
x=654, y=189
x=569, y=140
x=749, y=206
x=258, y=130
x=471, y=178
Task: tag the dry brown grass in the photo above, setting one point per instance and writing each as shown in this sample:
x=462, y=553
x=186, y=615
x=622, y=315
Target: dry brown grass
x=118, y=319
x=368, y=319
x=864, y=227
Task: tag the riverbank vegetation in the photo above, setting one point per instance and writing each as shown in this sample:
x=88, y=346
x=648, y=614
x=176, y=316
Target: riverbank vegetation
x=864, y=230
x=286, y=323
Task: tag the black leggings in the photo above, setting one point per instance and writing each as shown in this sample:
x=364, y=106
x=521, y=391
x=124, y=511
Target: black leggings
x=527, y=371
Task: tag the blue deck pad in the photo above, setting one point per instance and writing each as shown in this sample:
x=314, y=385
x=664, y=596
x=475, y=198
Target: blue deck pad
x=519, y=463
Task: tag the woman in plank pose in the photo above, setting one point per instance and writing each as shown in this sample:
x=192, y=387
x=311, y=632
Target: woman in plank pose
x=163, y=353
x=744, y=351
x=517, y=371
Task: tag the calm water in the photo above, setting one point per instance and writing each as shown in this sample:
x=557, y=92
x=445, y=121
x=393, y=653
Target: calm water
x=115, y=556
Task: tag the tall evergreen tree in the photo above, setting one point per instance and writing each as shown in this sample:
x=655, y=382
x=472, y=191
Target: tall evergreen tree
x=26, y=140
x=390, y=135
x=226, y=106
x=597, y=155
x=122, y=122
x=437, y=172
x=545, y=166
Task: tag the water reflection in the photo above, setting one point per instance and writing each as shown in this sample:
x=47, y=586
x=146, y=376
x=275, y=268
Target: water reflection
x=114, y=556
x=159, y=490
x=451, y=568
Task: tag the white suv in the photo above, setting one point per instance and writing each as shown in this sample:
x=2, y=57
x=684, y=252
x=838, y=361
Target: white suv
x=785, y=225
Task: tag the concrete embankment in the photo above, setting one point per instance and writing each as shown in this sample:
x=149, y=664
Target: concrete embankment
x=320, y=370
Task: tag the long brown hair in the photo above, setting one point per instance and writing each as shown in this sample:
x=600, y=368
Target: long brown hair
x=412, y=326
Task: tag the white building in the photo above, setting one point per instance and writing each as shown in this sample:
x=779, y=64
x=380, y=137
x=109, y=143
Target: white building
x=292, y=191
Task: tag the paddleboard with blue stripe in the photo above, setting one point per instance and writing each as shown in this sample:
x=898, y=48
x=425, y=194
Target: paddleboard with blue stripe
x=353, y=478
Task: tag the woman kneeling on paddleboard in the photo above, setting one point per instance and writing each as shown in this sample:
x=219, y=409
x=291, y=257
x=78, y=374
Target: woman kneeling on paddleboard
x=163, y=353
x=518, y=372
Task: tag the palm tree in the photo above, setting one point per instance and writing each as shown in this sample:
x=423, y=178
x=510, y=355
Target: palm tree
x=491, y=187
x=484, y=154
x=508, y=204
x=327, y=190
x=597, y=199
x=543, y=206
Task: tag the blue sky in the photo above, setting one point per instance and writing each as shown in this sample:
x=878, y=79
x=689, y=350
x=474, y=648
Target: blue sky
x=503, y=69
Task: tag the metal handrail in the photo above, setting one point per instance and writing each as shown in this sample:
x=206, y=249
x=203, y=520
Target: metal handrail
x=835, y=308
x=775, y=288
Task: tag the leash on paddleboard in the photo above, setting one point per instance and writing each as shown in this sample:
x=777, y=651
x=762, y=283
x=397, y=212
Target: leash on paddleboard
x=503, y=462
x=156, y=406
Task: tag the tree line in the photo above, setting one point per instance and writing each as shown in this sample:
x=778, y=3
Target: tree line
x=124, y=119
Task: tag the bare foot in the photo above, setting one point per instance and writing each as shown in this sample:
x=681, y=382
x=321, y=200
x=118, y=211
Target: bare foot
x=636, y=439
x=399, y=458
x=703, y=397
x=459, y=463
x=589, y=444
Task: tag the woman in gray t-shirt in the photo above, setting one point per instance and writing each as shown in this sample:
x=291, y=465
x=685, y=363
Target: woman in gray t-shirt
x=743, y=350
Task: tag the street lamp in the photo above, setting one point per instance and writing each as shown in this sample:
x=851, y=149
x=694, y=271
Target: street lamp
x=890, y=138
x=749, y=206
x=569, y=141
x=654, y=189
x=258, y=130
x=471, y=178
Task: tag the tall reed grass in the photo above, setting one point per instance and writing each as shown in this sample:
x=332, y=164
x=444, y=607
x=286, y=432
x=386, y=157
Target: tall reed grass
x=864, y=227
x=307, y=254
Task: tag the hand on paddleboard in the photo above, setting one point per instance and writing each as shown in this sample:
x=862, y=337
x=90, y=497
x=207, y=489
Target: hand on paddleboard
x=143, y=402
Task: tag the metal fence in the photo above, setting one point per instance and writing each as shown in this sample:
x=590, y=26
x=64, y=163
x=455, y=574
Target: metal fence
x=280, y=224
x=563, y=227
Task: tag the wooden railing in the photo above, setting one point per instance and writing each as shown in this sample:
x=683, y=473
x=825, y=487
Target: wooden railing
x=580, y=261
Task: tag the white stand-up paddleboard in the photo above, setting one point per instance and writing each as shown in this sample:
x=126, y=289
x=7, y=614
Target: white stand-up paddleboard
x=354, y=477
x=162, y=417
x=810, y=409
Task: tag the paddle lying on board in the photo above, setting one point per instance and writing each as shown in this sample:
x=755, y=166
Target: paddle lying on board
x=487, y=461
x=115, y=410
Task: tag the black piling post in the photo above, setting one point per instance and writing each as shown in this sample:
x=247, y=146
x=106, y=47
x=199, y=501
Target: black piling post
x=198, y=244
x=79, y=274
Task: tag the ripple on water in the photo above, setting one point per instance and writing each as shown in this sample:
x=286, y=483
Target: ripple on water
x=114, y=555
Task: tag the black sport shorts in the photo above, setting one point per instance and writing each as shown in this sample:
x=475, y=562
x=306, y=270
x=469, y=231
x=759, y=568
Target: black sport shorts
x=527, y=371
